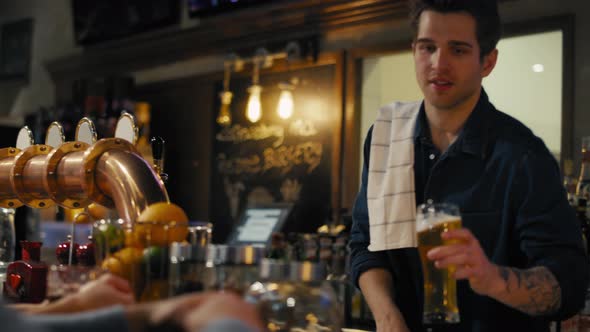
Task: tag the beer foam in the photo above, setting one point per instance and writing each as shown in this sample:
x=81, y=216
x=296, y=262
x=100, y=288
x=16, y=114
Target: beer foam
x=429, y=220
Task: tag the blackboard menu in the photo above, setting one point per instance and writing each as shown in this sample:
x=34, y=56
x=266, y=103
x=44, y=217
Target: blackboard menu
x=276, y=160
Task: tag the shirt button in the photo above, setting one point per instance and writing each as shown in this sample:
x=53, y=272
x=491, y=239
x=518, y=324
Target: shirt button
x=432, y=156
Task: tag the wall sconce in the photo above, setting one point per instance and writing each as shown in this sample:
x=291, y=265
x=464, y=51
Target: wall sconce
x=286, y=104
x=224, y=116
x=254, y=108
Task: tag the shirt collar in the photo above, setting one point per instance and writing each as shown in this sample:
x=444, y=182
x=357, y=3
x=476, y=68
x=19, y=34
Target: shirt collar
x=474, y=136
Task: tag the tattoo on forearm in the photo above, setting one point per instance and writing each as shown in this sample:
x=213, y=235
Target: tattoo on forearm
x=543, y=294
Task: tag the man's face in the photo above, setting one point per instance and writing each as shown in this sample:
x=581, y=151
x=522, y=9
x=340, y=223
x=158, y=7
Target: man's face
x=447, y=59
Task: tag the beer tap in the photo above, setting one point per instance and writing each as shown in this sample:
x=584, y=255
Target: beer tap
x=158, y=146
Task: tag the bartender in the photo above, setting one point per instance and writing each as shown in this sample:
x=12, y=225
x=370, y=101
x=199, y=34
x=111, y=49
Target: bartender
x=520, y=262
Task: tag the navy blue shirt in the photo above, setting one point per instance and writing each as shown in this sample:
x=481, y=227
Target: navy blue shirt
x=508, y=188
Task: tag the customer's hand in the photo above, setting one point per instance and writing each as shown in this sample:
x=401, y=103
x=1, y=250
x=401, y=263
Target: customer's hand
x=216, y=306
x=191, y=313
x=469, y=259
x=106, y=291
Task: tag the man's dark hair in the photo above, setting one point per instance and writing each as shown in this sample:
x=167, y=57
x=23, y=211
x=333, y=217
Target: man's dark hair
x=485, y=12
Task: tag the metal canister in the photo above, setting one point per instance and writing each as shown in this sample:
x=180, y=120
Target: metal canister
x=232, y=267
x=187, y=268
x=199, y=233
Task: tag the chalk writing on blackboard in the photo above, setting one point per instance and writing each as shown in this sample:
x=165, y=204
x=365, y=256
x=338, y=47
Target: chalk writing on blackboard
x=239, y=134
x=283, y=158
x=287, y=156
x=238, y=165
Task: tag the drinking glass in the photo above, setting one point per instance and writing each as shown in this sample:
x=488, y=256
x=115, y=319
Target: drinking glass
x=440, y=288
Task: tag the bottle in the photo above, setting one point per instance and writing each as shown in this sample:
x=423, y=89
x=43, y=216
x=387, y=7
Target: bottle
x=583, y=188
x=158, y=151
x=569, y=182
x=26, y=279
x=143, y=117
x=277, y=247
x=583, y=219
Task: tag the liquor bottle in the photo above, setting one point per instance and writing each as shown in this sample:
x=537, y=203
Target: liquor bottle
x=583, y=188
x=143, y=118
x=581, y=210
x=277, y=247
x=158, y=152
x=311, y=247
x=26, y=279
x=569, y=182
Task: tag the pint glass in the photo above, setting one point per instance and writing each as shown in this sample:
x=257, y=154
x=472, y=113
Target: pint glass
x=440, y=288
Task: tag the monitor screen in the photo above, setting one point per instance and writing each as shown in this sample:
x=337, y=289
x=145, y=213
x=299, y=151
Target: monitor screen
x=207, y=7
x=257, y=224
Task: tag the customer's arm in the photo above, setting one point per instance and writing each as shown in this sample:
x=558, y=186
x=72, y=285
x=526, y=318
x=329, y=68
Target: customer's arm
x=106, y=291
x=369, y=270
x=206, y=312
x=554, y=284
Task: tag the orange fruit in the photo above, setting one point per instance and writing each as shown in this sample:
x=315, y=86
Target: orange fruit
x=114, y=266
x=97, y=211
x=126, y=263
x=163, y=212
x=161, y=224
x=129, y=256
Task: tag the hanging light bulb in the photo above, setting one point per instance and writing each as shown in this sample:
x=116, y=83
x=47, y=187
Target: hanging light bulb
x=224, y=116
x=254, y=108
x=254, y=111
x=286, y=104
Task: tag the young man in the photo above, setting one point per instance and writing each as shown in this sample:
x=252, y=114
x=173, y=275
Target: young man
x=521, y=263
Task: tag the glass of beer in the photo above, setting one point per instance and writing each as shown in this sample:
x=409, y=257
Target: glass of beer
x=440, y=288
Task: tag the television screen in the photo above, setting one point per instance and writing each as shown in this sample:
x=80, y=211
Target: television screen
x=207, y=7
x=96, y=21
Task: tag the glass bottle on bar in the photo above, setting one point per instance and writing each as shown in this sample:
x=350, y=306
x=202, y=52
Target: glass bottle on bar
x=581, y=209
x=569, y=181
x=277, y=247
x=583, y=188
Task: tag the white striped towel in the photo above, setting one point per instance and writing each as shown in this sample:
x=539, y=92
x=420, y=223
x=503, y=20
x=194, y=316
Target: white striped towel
x=391, y=190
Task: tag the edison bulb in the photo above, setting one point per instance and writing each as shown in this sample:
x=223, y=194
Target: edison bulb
x=254, y=109
x=286, y=105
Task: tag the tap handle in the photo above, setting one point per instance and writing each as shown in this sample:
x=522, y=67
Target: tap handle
x=158, y=147
x=158, y=154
